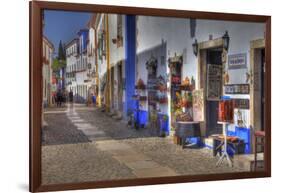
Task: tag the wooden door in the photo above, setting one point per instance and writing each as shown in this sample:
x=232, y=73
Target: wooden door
x=213, y=90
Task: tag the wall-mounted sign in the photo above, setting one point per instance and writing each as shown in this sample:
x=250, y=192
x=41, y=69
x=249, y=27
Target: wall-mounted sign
x=237, y=89
x=241, y=103
x=237, y=61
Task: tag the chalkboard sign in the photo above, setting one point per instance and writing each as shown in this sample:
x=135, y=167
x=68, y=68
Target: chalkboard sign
x=214, y=82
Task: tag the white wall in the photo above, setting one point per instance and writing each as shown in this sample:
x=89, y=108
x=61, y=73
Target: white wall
x=101, y=63
x=240, y=33
x=117, y=54
x=176, y=32
x=71, y=61
x=91, y=46
x=152, y=31
x=47, y=71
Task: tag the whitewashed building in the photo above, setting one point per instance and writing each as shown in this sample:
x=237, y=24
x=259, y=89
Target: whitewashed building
x=76, y=67
x=198, y=45
x=92, y=74
x=48, y=50
x=106, y=40
x=71, y=64
x=101, y=63
x=117, y=37
x=81, y=94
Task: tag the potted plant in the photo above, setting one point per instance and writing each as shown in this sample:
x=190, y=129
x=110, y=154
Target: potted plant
x=140, y=84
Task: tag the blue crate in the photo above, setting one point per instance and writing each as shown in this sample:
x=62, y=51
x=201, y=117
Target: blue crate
x=195, y=140
x=165, y=124
x=141, y=117
x=245, y=135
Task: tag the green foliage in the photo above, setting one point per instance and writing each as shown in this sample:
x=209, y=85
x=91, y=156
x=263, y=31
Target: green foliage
x=61, y=52
x=58, y=64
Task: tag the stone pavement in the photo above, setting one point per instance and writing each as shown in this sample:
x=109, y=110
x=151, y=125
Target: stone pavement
x=59, y=129
x=141, y=165
x=90, y=130
x=81, y=162
x=80, y=124
x=83, y=144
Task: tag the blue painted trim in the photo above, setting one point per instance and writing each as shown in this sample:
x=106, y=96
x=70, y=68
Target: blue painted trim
x=130, y=62
x=84, y=33
x=142, y=117
x=165, y=125
x=224, y=97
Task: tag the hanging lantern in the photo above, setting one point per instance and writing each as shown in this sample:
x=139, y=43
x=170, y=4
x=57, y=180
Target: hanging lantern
x=226, y=38
x=195, y=47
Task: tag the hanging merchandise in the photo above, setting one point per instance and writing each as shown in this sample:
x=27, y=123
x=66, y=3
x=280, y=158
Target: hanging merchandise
x=226, y=111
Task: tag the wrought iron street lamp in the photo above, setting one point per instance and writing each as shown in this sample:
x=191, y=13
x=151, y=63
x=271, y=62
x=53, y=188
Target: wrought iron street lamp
x=195, y=47
x=226, y=38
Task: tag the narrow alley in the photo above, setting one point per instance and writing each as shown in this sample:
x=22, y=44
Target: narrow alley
x=83, y=144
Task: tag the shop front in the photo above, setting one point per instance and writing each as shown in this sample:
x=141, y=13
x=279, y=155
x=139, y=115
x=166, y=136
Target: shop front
x=183, y=81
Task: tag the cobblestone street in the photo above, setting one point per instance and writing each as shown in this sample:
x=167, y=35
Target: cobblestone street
x=84, y=144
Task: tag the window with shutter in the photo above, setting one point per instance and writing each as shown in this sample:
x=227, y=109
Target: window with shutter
x=103, y=44
x=100, y=43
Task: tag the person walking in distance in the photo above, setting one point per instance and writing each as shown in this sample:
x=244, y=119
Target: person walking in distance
x=70, y=95
x=59, y=98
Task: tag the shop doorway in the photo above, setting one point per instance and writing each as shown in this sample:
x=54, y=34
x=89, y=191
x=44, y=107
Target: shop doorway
x=175, y=64
x=211, y=55
x=151, y=66
x=213, y=62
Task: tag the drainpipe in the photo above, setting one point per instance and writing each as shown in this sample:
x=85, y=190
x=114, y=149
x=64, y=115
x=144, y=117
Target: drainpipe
x=108, y=65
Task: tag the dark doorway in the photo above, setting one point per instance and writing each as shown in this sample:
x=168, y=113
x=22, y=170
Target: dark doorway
x=120, y=89
x=151, y=67
x=176, y=70
x=214, y=57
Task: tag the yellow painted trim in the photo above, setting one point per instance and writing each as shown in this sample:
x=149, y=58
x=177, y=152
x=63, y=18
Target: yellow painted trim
x=108, y=87
x=97, y=68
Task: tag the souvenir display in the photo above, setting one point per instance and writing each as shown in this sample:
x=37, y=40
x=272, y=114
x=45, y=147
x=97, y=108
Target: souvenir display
x=226, y=111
